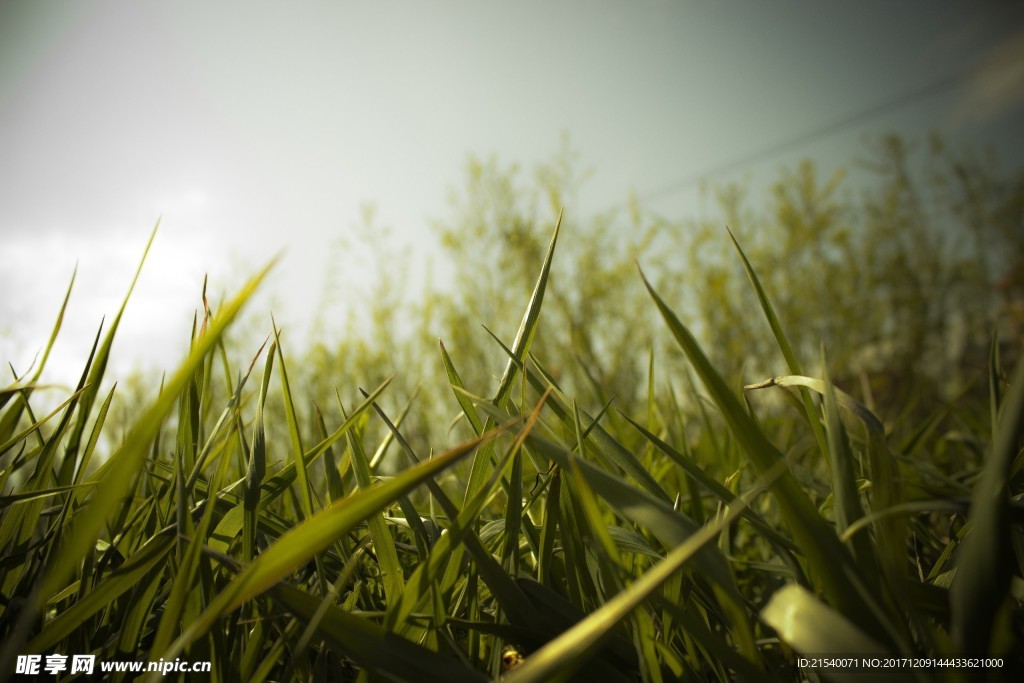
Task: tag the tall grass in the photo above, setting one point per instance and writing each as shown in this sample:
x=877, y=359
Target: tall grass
x=554, y=551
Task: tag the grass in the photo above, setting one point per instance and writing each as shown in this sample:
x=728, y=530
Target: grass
x=555, y=551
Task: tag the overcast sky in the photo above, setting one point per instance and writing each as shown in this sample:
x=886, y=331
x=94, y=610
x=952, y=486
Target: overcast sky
x=261, y=126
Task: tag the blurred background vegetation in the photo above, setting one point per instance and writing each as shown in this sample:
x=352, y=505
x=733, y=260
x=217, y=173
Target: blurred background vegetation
x=906, y=267
x=905, y=278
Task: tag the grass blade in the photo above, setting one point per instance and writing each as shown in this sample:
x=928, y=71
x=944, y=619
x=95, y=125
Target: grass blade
x=314, y=535
x=117, y=474
x=372, y=647
x=982, y=580
x=783, y=342
x=560, y=657
x=828, y=560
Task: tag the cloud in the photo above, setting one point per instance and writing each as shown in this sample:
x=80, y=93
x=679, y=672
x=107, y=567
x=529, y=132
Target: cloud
x=156, y=324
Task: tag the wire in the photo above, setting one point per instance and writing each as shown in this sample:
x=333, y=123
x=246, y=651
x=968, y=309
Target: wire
x=825, y=130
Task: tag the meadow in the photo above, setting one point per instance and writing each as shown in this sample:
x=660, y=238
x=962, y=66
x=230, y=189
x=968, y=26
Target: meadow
x=700, y=528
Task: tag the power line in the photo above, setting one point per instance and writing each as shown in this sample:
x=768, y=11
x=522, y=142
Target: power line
x=824, y=130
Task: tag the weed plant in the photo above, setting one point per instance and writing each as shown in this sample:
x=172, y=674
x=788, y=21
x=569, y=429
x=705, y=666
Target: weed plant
x=731, y=543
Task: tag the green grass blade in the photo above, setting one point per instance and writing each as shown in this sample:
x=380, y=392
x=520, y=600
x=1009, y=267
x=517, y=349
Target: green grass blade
x=602, y=442
x=335, y=487
x=102, y=594
x=783, y=342
x=224, y=419
x=118, y=472
x=94, y=437
x=670, y=526
x=844, y=479
x=528, y=326
x=711, y=484
x=995, y=393
x=231, y=524
x=448, y=549
x=9, y=419
x=370, y=646
x=421, y=536
x=563, y=655
x=828, y=560
x=16, y=498
x=257, y=465
x=305, y=492
x=315, y=534
x=427, y=574
x=392, y=574
x=465, y=402
x=886, y=484
x=96, y=372
x=843, y=400
x=520, y=348
x=984, y=569
x=56, y=327
x=811, y=627
x=174, y=612
x=34, y=427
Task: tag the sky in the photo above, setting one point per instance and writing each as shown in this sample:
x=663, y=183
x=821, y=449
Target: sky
x=262, y=128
